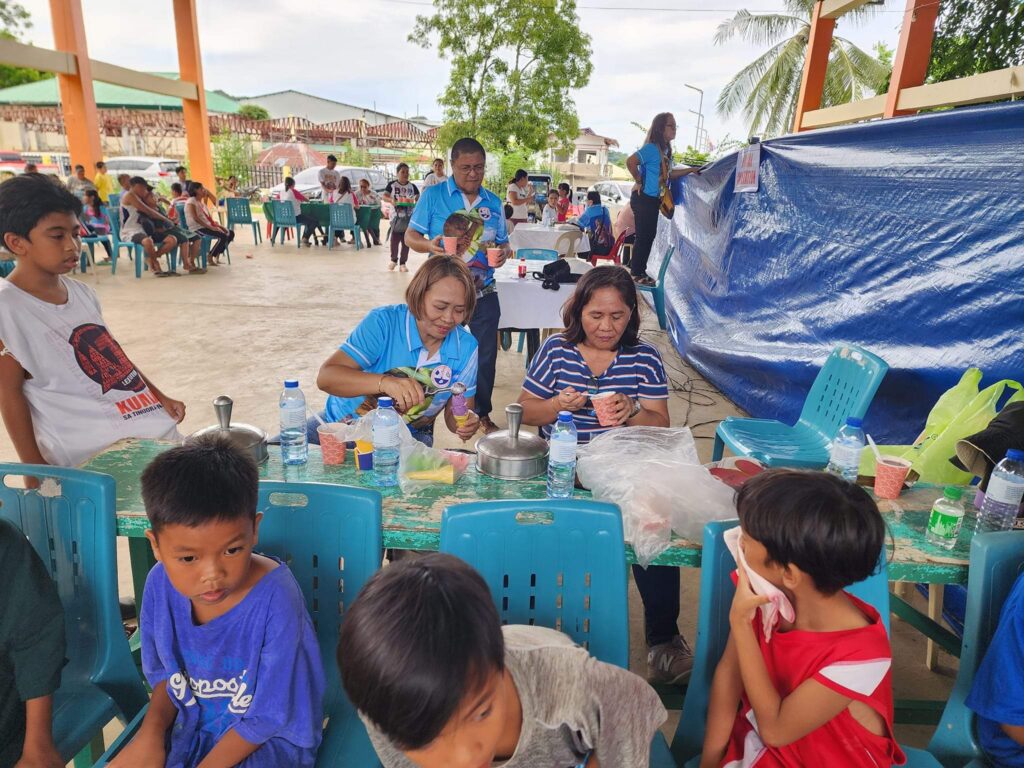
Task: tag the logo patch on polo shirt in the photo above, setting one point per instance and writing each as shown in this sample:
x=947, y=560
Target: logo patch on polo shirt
x=441, y=376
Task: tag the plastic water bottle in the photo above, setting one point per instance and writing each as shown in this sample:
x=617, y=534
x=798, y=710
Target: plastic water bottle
x=562, y=457
x=294, y=449
x=946, y=518
x=844, y=459
x=386, y=423
x=1003, y=495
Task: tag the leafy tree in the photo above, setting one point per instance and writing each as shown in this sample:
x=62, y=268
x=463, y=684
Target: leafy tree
x=15, y=20
x=617, y=158
x=232, y=156
x=514, y=64
x=974, y=36
x=253, y=112
x=766, y=90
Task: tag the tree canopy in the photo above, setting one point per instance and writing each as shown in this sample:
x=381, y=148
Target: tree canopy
x=253, y=112
x=15, y=20
x=974, y=36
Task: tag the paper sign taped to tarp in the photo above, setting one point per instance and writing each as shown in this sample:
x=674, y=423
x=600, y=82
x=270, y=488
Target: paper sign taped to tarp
x=747, y=164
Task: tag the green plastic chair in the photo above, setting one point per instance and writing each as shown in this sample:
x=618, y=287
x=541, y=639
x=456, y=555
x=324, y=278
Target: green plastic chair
x=997, y=561
x=657, y=290
x=72, y=527
x=284, y=219
x=844, y=387
x=239, y=212
x=343, y=217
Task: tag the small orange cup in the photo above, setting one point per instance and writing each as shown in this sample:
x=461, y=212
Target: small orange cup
x=494, y=256
x=604, y=408
x=331, y=448
x=890, y=473
x=451, y=245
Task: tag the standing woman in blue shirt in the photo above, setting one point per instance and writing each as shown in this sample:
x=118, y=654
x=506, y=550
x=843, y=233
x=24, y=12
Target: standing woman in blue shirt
x=651, y=169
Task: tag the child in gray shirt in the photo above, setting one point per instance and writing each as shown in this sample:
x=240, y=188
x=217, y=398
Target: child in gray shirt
x=439, y=682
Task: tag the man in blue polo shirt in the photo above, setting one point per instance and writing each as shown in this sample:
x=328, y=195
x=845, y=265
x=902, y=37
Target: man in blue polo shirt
x=463, y=193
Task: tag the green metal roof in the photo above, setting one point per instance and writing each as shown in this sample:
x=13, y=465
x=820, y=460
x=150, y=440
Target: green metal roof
x=44, y=93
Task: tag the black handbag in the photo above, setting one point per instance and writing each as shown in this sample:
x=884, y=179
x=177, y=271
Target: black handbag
x=554, y=273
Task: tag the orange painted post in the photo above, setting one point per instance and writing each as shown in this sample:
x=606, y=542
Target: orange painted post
x=914, y=53
x=190, y=67
x=77, y=100
x=812, y=84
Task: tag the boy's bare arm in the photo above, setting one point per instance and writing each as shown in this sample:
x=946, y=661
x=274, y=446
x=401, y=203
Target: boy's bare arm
x=726, y=690
x=228, y=752
x=39, y=749
x=147, y=749
x=15, y=410
x=175, y=408
x=1015, y=732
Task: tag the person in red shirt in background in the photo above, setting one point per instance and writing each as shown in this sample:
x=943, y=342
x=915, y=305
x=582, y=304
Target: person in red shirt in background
x=564, y=202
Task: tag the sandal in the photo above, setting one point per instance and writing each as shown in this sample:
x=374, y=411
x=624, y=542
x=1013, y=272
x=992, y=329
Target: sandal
x=646, y=281
x=161, y=274
x=197, y=271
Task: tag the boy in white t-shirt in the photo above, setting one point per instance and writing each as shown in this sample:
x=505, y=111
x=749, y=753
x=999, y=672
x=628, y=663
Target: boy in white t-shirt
x=67, y=389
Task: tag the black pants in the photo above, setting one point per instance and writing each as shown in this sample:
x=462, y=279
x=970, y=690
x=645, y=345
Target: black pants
x=484, y=326
x=221, y=240
x=307, y=226
x=659, y=590
x=398, y=243
x=645, y=212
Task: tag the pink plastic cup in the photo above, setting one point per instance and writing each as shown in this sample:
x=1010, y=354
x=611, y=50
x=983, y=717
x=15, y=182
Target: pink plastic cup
x=890, y=473
x=451, y=245
x=331, y=448
x=494, y=256
x=604, y=408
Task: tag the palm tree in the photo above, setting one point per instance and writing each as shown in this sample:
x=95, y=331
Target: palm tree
x=766, y=90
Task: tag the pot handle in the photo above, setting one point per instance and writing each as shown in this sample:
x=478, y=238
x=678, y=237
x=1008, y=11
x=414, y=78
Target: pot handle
x=514, y=414
x=222, y=405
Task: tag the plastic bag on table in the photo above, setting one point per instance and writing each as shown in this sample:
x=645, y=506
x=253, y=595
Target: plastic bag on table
x=419, y=465
x=655, y=477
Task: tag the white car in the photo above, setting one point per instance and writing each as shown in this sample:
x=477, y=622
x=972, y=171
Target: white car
x=614, y=194
x=308, y=181
x=152, y=169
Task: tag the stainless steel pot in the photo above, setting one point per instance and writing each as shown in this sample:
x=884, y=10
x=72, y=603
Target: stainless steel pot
x=507, y=455
x=248, y=438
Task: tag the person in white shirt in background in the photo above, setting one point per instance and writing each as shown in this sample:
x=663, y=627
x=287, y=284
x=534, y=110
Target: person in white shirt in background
x=436, y=176
x=520, y=194
x=550, y=217
x=330, y=180
x=296, y=198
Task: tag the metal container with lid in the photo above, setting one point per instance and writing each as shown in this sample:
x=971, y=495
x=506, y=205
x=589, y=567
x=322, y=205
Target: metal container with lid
x=509, y=455
x=248, y=438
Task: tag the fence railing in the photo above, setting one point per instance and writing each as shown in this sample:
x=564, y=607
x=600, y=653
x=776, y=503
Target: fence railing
x=266, y=176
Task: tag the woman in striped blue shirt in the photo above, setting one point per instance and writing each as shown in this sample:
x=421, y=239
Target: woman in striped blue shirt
x=600, y=351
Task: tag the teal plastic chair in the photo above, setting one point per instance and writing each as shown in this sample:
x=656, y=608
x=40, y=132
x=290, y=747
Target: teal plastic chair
x=997, y=561
x=114, y=200
x=239, y=212
x=343, y=217
x=716, y=593
x=284, y=219
x=204, y=247
x=844, y=387
x=72, y=527
x=537, y=254
x=330, y=538
x=134, y=250
x=657, y=290
x=6, y=267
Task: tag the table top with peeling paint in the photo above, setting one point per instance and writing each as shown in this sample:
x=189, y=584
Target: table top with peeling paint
x=413, y=520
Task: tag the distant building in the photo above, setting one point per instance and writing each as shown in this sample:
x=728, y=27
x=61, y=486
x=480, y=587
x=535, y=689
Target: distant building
x=318, y=109
x=586, y=163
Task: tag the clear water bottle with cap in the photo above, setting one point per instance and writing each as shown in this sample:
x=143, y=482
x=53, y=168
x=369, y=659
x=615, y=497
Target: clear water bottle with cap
x=294, y=449
x=1003, y=495
x=946, y=519
x=386, y=426
x=844, y=458
x=562, y=457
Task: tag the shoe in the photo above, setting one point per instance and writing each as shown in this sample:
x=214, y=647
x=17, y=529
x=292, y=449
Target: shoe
x=487, y=426
x=670, y=663
x=403, y=268
x=391, y=266
x=646, y=281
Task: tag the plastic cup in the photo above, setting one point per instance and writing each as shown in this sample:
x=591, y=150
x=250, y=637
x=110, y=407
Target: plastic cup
x=604, y=408
x=451, y=245
x=331, y=448
x=890, y=473
x=494, y=256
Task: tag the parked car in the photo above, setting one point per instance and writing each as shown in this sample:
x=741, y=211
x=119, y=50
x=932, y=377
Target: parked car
x=308, y=181
x=614, y=194
x=152, y=169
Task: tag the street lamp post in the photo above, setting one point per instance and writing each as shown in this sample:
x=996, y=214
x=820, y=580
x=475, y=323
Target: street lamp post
x=700, y=128
x=700, y=111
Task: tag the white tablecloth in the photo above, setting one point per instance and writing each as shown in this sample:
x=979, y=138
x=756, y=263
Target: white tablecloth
x=524, y=304
x=539, y=236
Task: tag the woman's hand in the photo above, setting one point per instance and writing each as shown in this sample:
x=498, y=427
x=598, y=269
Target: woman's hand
x=405, y=392
x=570, y=400
x=636, y=186
x=437, y=246
x=745, y=602
x=469, y=427
x=622, y=409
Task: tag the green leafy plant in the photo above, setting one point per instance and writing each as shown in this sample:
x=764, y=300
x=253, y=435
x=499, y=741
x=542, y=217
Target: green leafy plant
x=232, y=156
x=253, y=112
x=15, y=20
x=974, y=36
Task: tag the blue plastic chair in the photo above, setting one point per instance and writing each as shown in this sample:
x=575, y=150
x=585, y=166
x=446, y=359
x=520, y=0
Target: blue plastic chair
x=72, y=527
x=844, y=387
x=204, y=247
x=343, y=217
x=657, y=290
x=135, y=250
x=330, y=538
x=716, y=593
x=284, y=219
x=537, y=254
x=114, y=200
x=239, y=212
x=997, y=561
x=6, y=267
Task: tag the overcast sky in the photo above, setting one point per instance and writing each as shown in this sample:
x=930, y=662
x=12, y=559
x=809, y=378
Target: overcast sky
x=356, y=51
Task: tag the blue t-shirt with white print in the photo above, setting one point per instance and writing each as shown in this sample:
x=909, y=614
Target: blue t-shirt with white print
x=256, y=670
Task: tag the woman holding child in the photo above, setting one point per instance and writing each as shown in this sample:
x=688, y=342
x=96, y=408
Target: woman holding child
x=397, y=349
x=599, y=352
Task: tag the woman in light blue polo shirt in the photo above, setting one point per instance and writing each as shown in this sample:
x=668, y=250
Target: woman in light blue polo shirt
x=412, y=352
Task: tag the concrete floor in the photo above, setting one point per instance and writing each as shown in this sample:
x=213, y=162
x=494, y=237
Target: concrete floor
x=278, y=313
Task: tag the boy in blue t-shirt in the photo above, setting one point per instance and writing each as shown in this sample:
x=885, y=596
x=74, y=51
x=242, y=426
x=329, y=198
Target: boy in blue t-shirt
x=998, y=692
x=227, y=644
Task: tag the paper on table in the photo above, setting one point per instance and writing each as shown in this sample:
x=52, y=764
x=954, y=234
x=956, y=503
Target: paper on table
x=779, y=604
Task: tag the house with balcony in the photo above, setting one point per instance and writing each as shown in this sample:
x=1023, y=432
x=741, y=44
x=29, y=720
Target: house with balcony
x=586, y=163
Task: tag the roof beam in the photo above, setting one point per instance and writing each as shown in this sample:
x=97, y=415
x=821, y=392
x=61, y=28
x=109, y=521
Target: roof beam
x=833, y=9
x=865, y=109
x=18, y=54
x=988, y=86
x=143, y=81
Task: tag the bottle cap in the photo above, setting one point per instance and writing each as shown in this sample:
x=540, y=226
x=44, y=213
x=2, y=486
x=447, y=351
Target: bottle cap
x=385, y=402
x=952, y=492
x=853, y=421
x=565, y=417
x=1015, y=454
x=291, y=383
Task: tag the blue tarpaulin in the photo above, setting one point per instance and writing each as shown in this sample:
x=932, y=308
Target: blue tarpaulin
x=904, y=236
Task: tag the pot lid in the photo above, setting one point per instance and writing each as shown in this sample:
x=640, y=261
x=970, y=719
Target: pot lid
x=241, y=435
x=509, y=443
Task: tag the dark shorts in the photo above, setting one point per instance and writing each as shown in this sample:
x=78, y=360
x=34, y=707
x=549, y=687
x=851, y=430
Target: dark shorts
x=137, y=239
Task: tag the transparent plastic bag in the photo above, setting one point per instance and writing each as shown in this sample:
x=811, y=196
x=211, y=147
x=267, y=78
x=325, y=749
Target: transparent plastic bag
x=655, y=477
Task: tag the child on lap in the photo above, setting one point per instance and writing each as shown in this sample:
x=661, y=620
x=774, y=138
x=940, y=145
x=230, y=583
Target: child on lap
x=817, y=691
x=227, y=644
x=441, y=684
